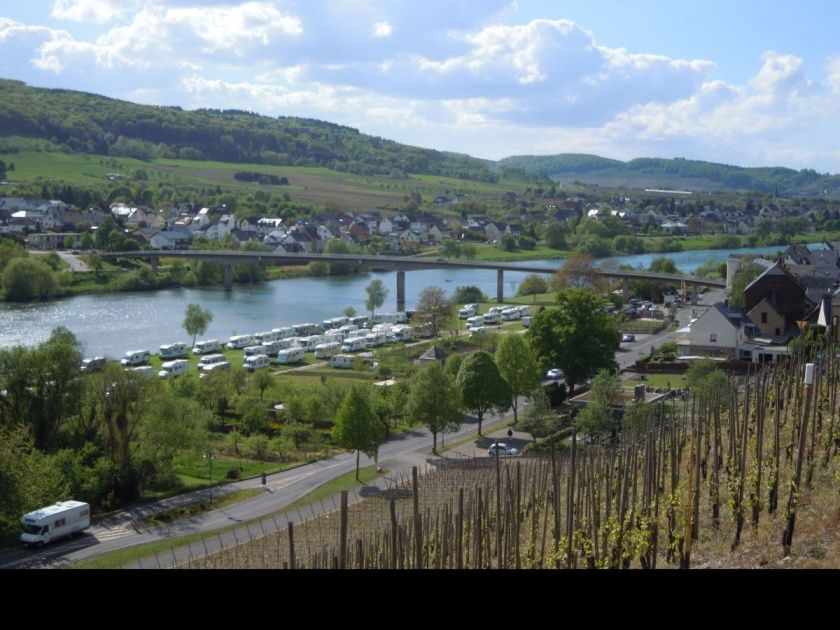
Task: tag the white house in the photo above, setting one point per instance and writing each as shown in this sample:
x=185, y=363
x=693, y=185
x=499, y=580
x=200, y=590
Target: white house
x=719, y=332
x=385, y=226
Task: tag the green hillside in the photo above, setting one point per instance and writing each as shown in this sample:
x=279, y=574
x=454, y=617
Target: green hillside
x=87, y=123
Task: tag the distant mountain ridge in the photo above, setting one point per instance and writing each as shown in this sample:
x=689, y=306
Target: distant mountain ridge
x=675, y=173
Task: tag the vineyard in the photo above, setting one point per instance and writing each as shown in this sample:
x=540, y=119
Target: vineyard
x=732, y=475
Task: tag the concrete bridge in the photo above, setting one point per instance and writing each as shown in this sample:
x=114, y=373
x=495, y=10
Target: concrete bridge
x=400, y=264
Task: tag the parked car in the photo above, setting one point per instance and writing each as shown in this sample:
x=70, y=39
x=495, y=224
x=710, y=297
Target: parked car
x=628, y=337
x=502, y=449
x=93, y=364
x=554, y=374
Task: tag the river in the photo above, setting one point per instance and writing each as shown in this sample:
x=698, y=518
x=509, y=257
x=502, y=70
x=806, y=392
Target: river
x=110, y=324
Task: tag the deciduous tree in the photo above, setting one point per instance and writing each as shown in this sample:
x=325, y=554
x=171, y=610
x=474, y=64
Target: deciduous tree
x=481, y=386
x=433, y=401
x=518, y=366
x=357, y=427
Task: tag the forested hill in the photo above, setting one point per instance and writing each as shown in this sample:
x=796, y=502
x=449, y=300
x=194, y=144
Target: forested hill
x=95, y=124
x=676, y=173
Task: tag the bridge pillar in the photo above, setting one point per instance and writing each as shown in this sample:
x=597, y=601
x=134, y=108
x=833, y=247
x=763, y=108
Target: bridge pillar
x=625, y=289
x=500, y=285
x=400, y=291
x=228, y=277
x=154, y=260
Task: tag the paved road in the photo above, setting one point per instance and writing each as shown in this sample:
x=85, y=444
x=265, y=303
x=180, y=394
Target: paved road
x=76, y=264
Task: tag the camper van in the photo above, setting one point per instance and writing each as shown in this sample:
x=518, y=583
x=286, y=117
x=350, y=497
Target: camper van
x=475, y=320
x=251, y=351
x=403, y=333
x=135, y=357
x=205, y=347
x=210, y=359
x=290, y=355
x=237, y=342
x=526, y=321
x=221, y=366
x=255, y=362
x=354, y=345
x=511, y=314
x=271, y=348
x=171, y=369
x=144, y=370
x=173, y=351
x=468, y=310
x=492, y=318
x=374, y=340
x=270, y=335
x=343, y=361
x=64, y=518
x=524, y=310
x=326, y=350
x=93, y=364
x=284, y=333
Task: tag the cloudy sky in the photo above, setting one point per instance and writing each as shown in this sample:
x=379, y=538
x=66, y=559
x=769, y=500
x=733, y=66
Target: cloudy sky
x=734, y=81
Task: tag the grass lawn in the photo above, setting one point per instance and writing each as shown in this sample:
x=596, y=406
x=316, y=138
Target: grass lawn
x=676, y=381
x=199, y=507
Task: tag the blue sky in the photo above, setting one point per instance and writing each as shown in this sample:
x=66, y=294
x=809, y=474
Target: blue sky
x=740, y=82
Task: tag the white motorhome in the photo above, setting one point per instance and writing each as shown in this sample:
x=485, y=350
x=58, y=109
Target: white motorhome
x=511, y=313
x=210, y=359
x=206, y=346
x=255, y=362
x=327, y=350
x=468, y=310
x=476, y=320
x=135, y=357
x=333, y=336
x=347, y=329
x=291, y=355
x=271, y=348
x=171, y=369
x=220, y=366
x=271, y=335
x=237, y=342
x=284, y=333
x=144, y=370
x=524, y=310
x=309, y=343
x=173, y=351
x=64, y=518
x=526, y=321
x=354, y=345
x=403, y=333
x=492, y=318
x=375, y=339
x=344, y=361
x=251, y=351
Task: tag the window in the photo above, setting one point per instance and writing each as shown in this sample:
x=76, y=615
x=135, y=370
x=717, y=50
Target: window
x=778, y=332
x=713, y=338
x=59, y=523
x=764, y=317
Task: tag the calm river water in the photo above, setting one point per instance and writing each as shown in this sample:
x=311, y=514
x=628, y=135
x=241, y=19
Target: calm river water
x=113, y=323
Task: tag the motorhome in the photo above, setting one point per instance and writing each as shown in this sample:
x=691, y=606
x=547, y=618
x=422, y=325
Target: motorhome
x=270, y=335
x=524, y=310
x=496, y=310
x=271, y=348
x=359, y=320
x=284, y=333
x=492, y=318
x=206, y=346
x=343, y=361
x=237, y=342
x=309, y=343
x=291, y=355
x=255, y=362
x=171, y=369
x=335, y=322
x=305, y=330
x=374, y=340
x=93, y=364
x=135, y=357
x=511, y=313
x=354, y=345
x=221, y=366
x=327, y=350
x=50, y=523
x=251, y=351
x=476, y=320
x=347, y=329
x=403, y=333
x=333, y=336
x=144, y=370
x=173, y=351
x=467, y=311
x=526, y=321
x=210, y=359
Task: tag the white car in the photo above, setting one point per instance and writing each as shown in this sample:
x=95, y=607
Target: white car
x=502, y=449
x=554, y=374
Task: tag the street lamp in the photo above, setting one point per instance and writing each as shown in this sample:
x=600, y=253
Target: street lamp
x=210, y=457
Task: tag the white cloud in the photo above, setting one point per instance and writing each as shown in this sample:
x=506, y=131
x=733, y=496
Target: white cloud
x=95, y=11
x=382, y=29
